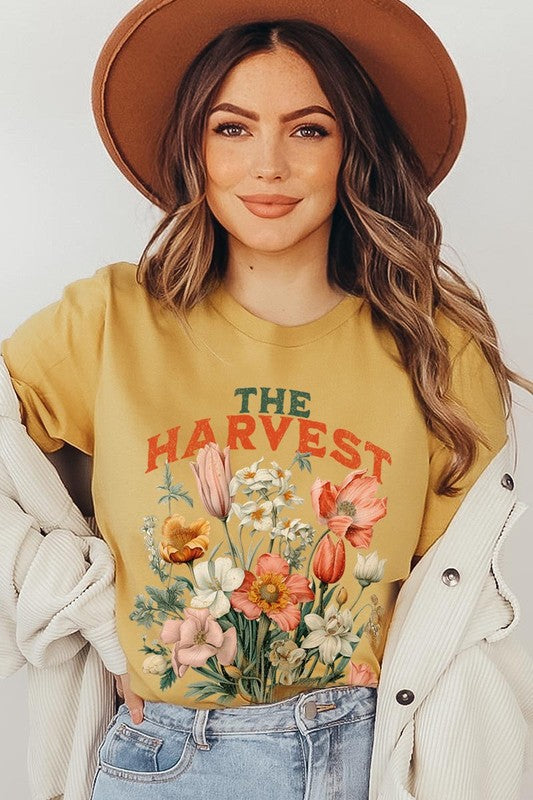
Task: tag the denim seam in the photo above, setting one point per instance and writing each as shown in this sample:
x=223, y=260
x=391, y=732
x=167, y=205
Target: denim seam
x=163, y=776
x=166, y=727
x=143, y=739
x=340, y=722
x=250, y=731
x=303, y=760
x=95, y=776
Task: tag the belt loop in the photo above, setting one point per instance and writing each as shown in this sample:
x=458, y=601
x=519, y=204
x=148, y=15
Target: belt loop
x=198, y=728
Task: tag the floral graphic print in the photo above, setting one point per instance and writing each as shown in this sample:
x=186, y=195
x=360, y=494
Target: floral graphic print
x=247, y=623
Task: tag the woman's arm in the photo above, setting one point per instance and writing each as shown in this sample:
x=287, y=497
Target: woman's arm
x=75, y=470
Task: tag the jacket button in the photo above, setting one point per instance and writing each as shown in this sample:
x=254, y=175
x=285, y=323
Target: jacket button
x=405, y=697
x=310, y=711
x=450, y=577
x=507, y=481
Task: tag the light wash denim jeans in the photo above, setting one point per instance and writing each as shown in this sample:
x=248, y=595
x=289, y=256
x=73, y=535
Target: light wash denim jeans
x=314, y=746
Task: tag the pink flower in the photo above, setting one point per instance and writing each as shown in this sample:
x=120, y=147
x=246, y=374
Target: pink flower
x=196, y=638
x=362, y=675
x=273, y=592
x=213, y=474
x=350, y=509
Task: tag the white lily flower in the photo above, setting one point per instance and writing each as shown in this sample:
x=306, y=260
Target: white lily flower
x=259, y=515
x=332, y=633
x=278, y=473
x=252, y=477
x=287, y=495
x=288, y=528
x=213, y=579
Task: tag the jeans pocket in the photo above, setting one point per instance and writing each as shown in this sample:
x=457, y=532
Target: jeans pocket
x=147, y=752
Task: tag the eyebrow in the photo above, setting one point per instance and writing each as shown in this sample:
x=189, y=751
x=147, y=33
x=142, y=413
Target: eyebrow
x=300, y=112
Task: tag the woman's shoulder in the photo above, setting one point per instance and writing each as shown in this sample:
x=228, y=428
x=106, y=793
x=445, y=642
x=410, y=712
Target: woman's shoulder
x=118, y=276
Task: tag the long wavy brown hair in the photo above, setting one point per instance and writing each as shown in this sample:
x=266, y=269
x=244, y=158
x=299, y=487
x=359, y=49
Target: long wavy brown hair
x=385, y=238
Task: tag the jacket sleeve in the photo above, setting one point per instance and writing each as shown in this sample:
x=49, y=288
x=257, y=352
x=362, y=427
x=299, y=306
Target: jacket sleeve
x=56, y=577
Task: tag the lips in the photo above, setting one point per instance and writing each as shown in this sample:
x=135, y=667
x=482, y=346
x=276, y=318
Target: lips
x=270, y=206
x=266, y=199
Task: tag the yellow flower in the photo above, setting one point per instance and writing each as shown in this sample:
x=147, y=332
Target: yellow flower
x=180, y=543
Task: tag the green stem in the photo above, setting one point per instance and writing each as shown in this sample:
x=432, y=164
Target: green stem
x=313, y=550
x=313, y=665
x=262, y=629
x=357, y=598
x=170, y=572
x=321, y=589
x=361, y=609
x=233, y=550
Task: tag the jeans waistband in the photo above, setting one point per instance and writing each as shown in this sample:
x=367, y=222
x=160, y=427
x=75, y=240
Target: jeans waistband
x=309, y=710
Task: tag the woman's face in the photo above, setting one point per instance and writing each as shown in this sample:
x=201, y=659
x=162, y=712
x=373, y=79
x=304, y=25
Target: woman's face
x=271, y=142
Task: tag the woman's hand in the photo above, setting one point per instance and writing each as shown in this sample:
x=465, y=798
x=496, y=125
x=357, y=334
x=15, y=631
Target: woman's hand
x=133, y=701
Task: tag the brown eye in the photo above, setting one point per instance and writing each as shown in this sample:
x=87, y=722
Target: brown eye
x=225, y=126
x=315, y=129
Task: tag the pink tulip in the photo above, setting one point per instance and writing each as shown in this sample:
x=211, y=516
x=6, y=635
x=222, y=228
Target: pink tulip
x=213, y=474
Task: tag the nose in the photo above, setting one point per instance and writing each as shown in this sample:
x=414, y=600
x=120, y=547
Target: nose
x=269, y=161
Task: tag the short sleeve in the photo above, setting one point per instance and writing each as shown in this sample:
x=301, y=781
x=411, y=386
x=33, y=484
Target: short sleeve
x=475, y=386
x=54, y=359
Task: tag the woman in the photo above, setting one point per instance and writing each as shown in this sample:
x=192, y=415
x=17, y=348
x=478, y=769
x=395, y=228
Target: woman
x=294, y=305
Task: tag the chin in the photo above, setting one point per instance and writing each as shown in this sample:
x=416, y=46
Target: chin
x=269, y=242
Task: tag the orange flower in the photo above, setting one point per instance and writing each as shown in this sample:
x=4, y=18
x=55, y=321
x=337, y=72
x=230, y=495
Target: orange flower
x=181, y=542
x=329, y=560
x=272, y=591
x=350, y=509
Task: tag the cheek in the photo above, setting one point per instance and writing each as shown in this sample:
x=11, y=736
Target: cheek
x=321, y=171
x=222, y=167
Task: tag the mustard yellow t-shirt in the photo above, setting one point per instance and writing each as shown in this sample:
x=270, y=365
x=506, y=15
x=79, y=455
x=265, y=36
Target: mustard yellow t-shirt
x=263, y=489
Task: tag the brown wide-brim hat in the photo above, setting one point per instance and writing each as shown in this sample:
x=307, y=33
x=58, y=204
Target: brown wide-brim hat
x=142, y=62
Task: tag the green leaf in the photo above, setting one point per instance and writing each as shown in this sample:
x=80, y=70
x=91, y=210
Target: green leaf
x=209, y=673
x=156, y=648
x=169, y=599
x=167, y=678
x=144, y=611
x=302, y=460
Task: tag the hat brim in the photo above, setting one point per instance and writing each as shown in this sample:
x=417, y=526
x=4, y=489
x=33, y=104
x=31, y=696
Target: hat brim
x=143, y=60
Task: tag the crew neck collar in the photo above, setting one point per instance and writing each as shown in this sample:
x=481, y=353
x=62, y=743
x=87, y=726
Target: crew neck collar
x=263, y=330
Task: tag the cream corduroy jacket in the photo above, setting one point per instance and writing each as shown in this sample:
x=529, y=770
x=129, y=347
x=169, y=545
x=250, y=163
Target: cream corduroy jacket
x=454, y=717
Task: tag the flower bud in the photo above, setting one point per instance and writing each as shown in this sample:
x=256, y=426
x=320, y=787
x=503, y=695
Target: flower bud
x=233, y=672
x=154, y=664
x=341, y=596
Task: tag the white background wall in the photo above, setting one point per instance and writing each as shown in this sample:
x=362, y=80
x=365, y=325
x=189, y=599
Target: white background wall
x=66, y=210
